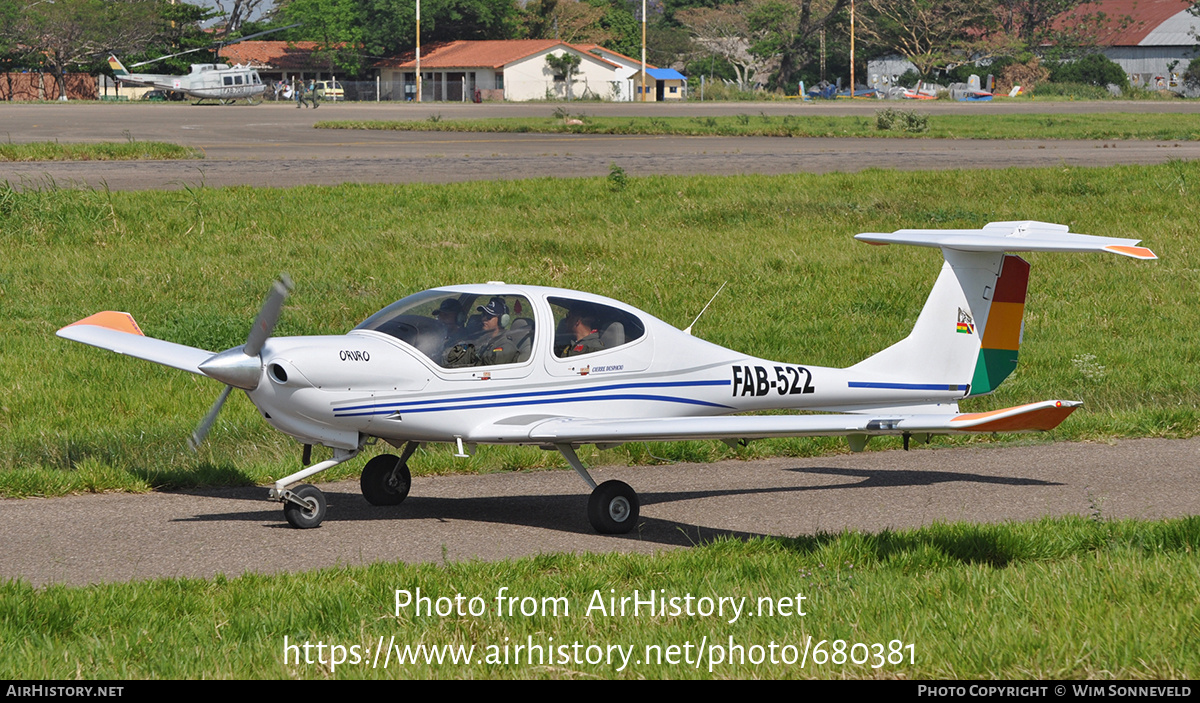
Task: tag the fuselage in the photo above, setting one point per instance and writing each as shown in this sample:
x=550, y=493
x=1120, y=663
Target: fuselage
x=396, y=384
x=206, y=81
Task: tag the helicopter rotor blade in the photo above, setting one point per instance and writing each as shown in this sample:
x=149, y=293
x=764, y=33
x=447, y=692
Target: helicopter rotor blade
x=215, y=48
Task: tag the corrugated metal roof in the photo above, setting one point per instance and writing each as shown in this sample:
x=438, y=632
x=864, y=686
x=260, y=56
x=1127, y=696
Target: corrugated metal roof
x=665, y=74
x=1139, y=22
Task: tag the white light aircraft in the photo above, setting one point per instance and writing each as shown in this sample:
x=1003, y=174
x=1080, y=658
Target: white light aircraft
x=511, y=364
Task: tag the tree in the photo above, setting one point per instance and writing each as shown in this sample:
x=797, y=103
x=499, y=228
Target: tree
x=564, y=66
x=725, y=32
x=569, y=21
x=371, y=29
x=789, y=29
x=337, y=27
x=1032, y=21
x=66, y=34
x=931, y=34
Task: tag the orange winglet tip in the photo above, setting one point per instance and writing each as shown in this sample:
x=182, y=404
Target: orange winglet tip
x=1135, y=252
x=119, y=321
x=1043, y=419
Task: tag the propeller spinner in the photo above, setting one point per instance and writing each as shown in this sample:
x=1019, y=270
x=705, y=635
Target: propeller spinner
x=241, y=367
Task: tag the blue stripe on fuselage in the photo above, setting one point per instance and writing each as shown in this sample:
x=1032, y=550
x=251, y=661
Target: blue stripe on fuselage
x=535, y=398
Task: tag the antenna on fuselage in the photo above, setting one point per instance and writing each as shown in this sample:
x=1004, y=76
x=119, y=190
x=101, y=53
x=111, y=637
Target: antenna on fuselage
x=710, y=301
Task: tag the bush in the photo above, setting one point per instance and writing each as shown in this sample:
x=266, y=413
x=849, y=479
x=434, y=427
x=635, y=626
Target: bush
x=1093, y=69
x=1028, y=75
x=1191, y=77
x=1075, y=91
x=892, y=119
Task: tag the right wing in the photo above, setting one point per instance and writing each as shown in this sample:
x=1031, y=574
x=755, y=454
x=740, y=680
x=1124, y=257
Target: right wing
x=118, y=332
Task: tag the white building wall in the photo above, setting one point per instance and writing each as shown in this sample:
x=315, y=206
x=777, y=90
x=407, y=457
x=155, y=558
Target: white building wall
x=532, y=79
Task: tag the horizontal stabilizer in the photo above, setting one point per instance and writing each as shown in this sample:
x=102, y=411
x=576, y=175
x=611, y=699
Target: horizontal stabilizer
x=118, y=332
x=1011, y=237
x=1041, y=416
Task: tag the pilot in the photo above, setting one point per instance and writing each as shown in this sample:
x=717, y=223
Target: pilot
x=492, y=345
x=581, y=322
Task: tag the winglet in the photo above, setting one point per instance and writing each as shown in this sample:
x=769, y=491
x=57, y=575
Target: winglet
x=119, y=321
x=1135, y=252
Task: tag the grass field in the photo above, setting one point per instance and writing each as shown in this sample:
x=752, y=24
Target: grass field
x=1067, y=598
x=130, y=150
x=1072, y=598
x=1183, y=127
x=193, y=267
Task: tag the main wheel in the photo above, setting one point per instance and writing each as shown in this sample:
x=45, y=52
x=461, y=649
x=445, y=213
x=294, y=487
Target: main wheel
x=385, y=480
x=303, y=518
x=613, y=508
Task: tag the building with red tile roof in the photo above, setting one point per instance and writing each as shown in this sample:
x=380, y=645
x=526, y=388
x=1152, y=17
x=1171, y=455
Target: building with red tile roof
x=281, y=61
x=514, y=69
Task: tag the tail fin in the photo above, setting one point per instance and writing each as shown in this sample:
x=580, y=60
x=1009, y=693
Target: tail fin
x=117, y=67
x=970, y=328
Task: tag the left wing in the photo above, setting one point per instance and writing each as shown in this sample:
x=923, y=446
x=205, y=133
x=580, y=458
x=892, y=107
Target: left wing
x=1042, y=416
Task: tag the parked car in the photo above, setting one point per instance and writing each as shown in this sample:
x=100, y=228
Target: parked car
x=330, y=90
x=159, y=96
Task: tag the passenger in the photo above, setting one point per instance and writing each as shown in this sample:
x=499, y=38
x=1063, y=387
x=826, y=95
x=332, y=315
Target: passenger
x=581, y=323
x=449, y=313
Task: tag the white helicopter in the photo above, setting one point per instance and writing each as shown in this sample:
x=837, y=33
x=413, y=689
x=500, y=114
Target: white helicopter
x=510, y=364
x=205, y=81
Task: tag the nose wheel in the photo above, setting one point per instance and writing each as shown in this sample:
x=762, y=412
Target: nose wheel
x=305, y=508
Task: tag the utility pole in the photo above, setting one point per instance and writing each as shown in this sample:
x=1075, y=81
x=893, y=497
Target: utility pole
x=852, y=49
x=418, y=50
x=643, y=50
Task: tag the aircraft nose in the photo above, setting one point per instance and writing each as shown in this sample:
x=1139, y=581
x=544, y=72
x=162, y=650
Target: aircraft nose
x=234, y=368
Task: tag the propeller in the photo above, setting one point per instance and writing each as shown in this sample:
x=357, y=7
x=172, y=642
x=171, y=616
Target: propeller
x=241, y=367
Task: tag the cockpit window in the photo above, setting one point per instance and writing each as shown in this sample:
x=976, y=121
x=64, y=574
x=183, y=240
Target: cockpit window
x=460, y=329
x=581, y=327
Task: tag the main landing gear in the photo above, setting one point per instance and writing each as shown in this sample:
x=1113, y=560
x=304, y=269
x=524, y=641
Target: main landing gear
x=386, y=479
x=613, y=507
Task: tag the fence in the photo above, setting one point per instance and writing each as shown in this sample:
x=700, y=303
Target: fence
x=403, y=91
x=43, y=86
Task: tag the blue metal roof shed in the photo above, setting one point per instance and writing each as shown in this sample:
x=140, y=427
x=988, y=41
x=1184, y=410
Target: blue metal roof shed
x=665, y=74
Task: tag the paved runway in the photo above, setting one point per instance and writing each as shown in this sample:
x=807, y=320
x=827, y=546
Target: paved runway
x=118, y=537
x=275, y=145
x=102, y=538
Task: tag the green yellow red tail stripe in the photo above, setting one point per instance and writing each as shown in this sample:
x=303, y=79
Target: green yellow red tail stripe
x=1002, y=333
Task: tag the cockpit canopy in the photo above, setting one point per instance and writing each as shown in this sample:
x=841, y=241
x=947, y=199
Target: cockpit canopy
x=456, y=328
